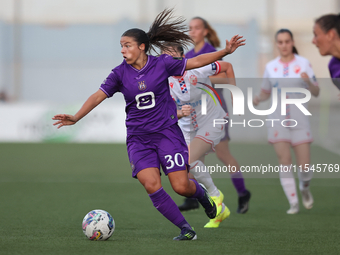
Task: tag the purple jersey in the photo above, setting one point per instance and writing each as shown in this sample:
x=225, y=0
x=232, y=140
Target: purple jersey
x=334, y=69
x=207, y=48
x=149, y=106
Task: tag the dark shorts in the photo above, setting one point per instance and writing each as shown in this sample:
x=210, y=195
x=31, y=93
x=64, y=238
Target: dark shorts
x=166, y=148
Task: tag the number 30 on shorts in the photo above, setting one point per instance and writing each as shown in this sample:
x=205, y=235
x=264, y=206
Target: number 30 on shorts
x=176, y=160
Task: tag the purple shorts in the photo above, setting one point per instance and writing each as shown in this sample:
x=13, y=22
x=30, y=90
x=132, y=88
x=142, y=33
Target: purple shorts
x=166, y=148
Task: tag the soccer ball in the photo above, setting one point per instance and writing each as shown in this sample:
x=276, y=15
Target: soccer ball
x=98, y=225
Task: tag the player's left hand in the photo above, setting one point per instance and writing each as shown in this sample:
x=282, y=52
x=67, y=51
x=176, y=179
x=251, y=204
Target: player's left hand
x=305, y=77
x=234, y=43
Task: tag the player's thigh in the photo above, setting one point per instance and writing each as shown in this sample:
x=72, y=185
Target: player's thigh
x=150, y=178
x=198, y=148
x=282, y=150
x=172, y=150
x=302, y=153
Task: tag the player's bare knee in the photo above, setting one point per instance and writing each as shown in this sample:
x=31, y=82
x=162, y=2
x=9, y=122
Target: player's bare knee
x=151, y=186
x=182, y=188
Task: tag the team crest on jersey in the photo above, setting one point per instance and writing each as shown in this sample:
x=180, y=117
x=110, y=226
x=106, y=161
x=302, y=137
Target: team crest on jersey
x=171, y=85
x=275, y=69
x=193, y=80
x=141, y=85
x=297, y=69
x=214, y=66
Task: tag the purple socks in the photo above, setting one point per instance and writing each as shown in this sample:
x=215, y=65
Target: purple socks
x=166, y=206
x=238, y=181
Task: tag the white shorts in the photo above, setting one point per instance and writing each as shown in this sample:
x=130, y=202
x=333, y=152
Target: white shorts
x=293, y=136
x=208, y=134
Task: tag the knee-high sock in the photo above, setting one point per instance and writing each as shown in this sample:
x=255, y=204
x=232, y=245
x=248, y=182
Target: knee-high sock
x=304, y=178
x=238, y=182
x=288, y=184
x=199, y=194
x=166, y=206
x=198, y=170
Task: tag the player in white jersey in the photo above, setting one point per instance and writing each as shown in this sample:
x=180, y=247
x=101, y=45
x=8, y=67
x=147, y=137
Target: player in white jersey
x=198, y=129
x=290, y=70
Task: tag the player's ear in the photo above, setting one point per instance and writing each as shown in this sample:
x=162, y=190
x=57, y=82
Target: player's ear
x=142, y=46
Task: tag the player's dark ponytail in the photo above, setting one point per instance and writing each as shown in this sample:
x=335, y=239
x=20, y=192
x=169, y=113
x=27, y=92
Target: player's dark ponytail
x=285, y=30
x=212, y=35
x=328, y=22
x=165, y=28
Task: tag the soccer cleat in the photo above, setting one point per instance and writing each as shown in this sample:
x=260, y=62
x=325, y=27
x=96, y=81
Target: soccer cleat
x=214, y=223
x=218, y=201
x=186, y=235
x=208, y=203
x=189, y=204
x=307, y=198
x=294, y=209
x=243, y=203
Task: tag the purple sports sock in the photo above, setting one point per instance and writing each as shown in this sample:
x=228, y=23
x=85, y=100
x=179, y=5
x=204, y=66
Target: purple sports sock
x=238, y=181
x=200, y=195
x=166, y=206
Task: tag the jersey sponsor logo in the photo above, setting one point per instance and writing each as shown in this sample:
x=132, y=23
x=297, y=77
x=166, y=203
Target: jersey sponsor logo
x=141, y=85
x=193, y=79
x=145, y=100
x=297, y=69
x=207, y=134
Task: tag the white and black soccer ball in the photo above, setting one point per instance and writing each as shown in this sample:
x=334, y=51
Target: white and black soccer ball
x=98, y=225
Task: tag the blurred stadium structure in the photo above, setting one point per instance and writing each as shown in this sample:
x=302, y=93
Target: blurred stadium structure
x=54, y=54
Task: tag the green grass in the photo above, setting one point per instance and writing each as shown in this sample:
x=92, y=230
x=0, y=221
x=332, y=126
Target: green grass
x=46, y=190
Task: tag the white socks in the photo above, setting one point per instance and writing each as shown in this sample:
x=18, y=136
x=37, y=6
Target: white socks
x=304, y=178
x=288, y=184
x=199, y=171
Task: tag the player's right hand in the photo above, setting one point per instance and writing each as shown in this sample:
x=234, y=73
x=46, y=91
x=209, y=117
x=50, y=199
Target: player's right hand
x=64, y=120
x=186, y=110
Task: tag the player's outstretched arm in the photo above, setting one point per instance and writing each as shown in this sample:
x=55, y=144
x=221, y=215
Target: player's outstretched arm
x=67, y=120
x=205, y=59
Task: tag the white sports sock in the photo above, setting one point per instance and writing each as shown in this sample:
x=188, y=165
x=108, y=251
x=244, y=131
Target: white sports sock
x=288, y=184
x=199, y=171
x=304, y=179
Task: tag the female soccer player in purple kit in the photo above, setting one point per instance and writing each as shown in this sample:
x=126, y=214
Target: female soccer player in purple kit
x=327, y=39
x=153, y=136
x=200, y=30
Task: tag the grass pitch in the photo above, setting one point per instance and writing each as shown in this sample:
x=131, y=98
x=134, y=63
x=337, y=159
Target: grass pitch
x=46, y=190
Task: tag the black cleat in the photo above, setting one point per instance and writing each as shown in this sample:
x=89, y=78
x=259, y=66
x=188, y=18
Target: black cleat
x=189, y=204
x=243, y=203
x=186, y=235
x=208, y=203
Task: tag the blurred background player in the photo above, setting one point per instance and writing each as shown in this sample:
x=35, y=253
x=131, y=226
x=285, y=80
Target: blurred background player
x=199, y=132
x=153, y=140
x=286, y=71
x=327, y=38
x=200, y=30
